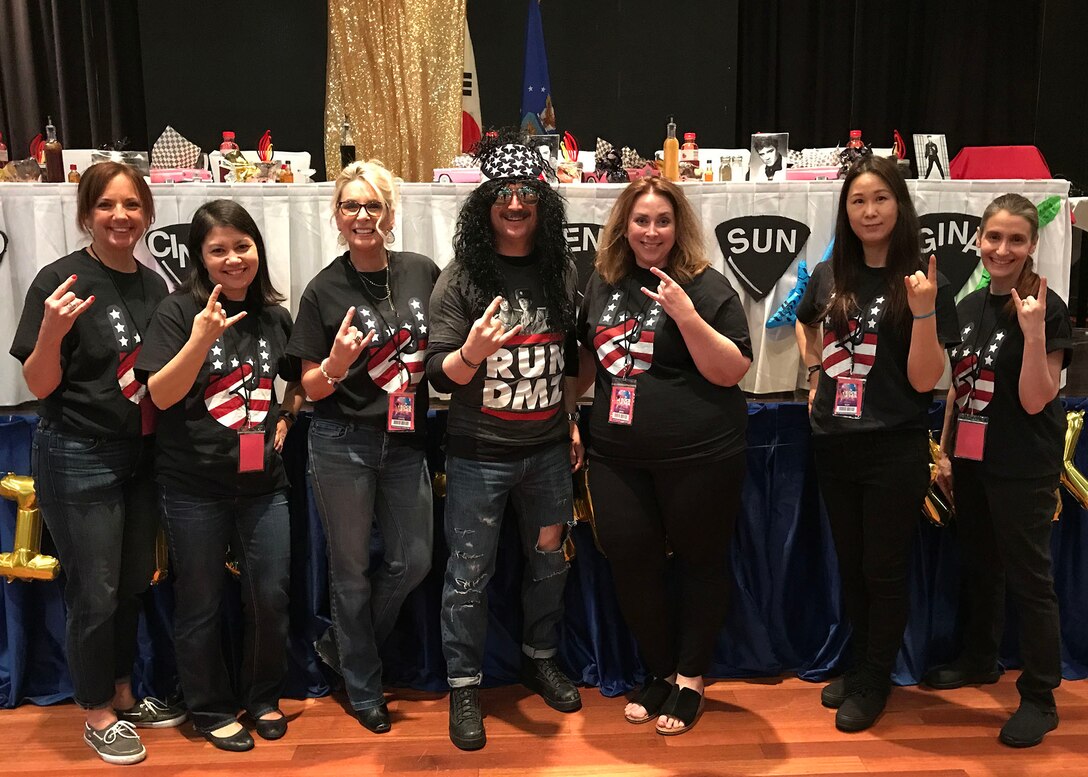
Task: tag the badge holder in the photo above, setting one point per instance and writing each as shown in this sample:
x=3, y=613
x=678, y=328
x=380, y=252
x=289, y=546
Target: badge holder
x=849, y=396
x=401, y=415
x=621, y=403
x=251, y=449
x=970, y=437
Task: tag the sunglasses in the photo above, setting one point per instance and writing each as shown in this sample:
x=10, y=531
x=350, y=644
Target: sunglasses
x=526, y=195
x=351, y=208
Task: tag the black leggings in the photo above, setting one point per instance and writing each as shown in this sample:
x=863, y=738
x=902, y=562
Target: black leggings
x=695, y=509
x=873, y=484
x=1004, y=528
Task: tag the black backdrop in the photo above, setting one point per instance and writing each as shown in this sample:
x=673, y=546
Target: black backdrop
x=980, y=71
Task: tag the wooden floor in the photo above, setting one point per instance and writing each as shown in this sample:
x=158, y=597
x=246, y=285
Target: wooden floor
x=768, y=727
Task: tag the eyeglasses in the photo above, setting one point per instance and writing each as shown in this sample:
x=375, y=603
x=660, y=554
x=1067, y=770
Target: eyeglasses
x=351, y=208
x=527, y=195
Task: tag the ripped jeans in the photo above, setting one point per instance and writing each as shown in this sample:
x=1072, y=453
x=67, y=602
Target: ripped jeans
x=476, y=496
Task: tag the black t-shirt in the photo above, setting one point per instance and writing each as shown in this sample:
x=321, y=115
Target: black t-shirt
x=98, y=395
x=679, y=416
x=876, y=350
x=513, y=406
x=393, y=360
x=198, y=436
x=986, y=373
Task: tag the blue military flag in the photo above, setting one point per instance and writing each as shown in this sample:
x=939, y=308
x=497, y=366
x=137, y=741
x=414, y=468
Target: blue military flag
x=537, y=113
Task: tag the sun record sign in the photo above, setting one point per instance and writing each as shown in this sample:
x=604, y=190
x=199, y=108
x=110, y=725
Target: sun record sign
x=759, y=249
x=582, y=240
x=168, y=246
x=951, y=238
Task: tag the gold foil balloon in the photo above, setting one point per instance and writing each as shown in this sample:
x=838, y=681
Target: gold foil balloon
x=438, y=484
x=569, y=551
x=25, y=561
x=1074, y=482
x=162, y=559
x=936, y=507
x=583, y=503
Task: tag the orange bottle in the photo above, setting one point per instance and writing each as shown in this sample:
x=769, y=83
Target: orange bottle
x=671, y=152
x=73, y=174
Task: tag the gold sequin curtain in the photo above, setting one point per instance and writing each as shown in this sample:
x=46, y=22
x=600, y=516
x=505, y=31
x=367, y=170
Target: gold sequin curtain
x=395, y=70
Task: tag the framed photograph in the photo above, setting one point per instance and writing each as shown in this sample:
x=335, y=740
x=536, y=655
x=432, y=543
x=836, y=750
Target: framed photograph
x=931, y=157
x=768, y=161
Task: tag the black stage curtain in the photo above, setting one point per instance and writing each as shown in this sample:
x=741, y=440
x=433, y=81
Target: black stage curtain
x=969, y=70
x=77, y=61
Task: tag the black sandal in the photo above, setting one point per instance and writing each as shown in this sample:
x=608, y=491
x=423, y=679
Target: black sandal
x=652, y=697
x=684, y=705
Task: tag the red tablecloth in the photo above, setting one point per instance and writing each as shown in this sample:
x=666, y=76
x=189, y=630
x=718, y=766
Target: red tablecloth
x=978, y=162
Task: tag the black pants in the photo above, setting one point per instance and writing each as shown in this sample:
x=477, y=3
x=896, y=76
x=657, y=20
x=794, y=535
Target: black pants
x=1004, y=529
x=873, y=484
x=695, y=508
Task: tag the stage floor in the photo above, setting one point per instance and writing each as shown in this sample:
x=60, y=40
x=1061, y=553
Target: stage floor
x=759, y=727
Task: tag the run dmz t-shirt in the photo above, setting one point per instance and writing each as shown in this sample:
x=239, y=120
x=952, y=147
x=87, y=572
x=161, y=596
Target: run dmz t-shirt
x=197, y=440
x=513, y=406
x=875, y=350
x=679, y=416
x=986, y=373
x=394, y=360
x=98, y=395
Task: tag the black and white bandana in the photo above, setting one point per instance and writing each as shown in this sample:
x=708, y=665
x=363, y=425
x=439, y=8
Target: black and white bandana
x=512, y=160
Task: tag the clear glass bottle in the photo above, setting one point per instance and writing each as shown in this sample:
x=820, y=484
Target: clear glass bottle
x=725, y=172
x=54, y=155
x=347, y=145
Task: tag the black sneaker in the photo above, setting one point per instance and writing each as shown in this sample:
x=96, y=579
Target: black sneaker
x=958, y=674
x=1028, y=725
x=543, y=676
x=860, y=709
x=466, y=718
x=837, y=691
x=116, y=744
x=150, y=712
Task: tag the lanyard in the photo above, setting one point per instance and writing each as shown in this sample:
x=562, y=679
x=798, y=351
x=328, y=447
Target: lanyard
x=117, y=289
x=984, y=345
x=634, y=334
x=254, y=381
x=398, y=352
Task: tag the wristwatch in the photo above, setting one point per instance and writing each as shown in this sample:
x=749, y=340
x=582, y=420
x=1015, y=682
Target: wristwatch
x=813, y=369
x=574, y=417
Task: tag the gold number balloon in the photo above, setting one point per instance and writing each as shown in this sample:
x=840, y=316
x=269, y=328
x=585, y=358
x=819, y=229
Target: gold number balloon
x=935, y=507
x=162, y=559
x=1075, y=483
x=25, y=561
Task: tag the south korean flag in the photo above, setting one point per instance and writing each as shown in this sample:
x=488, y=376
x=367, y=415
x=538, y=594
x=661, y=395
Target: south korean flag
x=233, y=384
x=624, y=339
x=128, y=348
x=394, y=358
x=855, y=353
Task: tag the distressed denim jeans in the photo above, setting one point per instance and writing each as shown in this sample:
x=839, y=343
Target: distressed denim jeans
x=476, y=496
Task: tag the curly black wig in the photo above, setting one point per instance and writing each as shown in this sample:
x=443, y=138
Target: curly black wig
x=474, y=251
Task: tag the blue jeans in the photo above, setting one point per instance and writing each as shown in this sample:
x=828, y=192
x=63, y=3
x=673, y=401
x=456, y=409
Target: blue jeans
x=258, y=530
x=361, y=475
x=476, y=496
x=97, y=499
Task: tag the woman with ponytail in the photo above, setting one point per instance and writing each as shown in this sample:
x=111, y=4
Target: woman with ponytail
x=1001, y=449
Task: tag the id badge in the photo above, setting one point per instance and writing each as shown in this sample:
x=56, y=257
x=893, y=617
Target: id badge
x=849, y=395
x=251, y=449
x=149, y=415
x=401, y=415
x=970, y=437
x=621, y=403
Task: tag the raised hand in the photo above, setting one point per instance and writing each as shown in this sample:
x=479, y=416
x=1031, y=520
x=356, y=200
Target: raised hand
x=922, y=290
x=211, y=322
x=487, y=334
x=347, y=345
x=62, y=308
x=1031, y=311
x=671, y=297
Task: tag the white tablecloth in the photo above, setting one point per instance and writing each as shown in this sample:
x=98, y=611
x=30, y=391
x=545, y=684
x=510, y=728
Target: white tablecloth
x=38, y=225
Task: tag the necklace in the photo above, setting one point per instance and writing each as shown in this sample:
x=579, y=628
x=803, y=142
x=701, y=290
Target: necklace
x=376, y=289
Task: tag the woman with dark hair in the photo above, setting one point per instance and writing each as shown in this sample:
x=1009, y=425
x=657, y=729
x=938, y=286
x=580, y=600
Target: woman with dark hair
x=77, y=338
x=362, y=369
x=213, y=352
x=1002, y=449
x=871, y=329
x=667, y=339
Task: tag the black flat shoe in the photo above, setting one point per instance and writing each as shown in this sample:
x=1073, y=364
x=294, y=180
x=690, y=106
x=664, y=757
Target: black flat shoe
x=271, y=728
x=375, y=719
x=235, y=743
